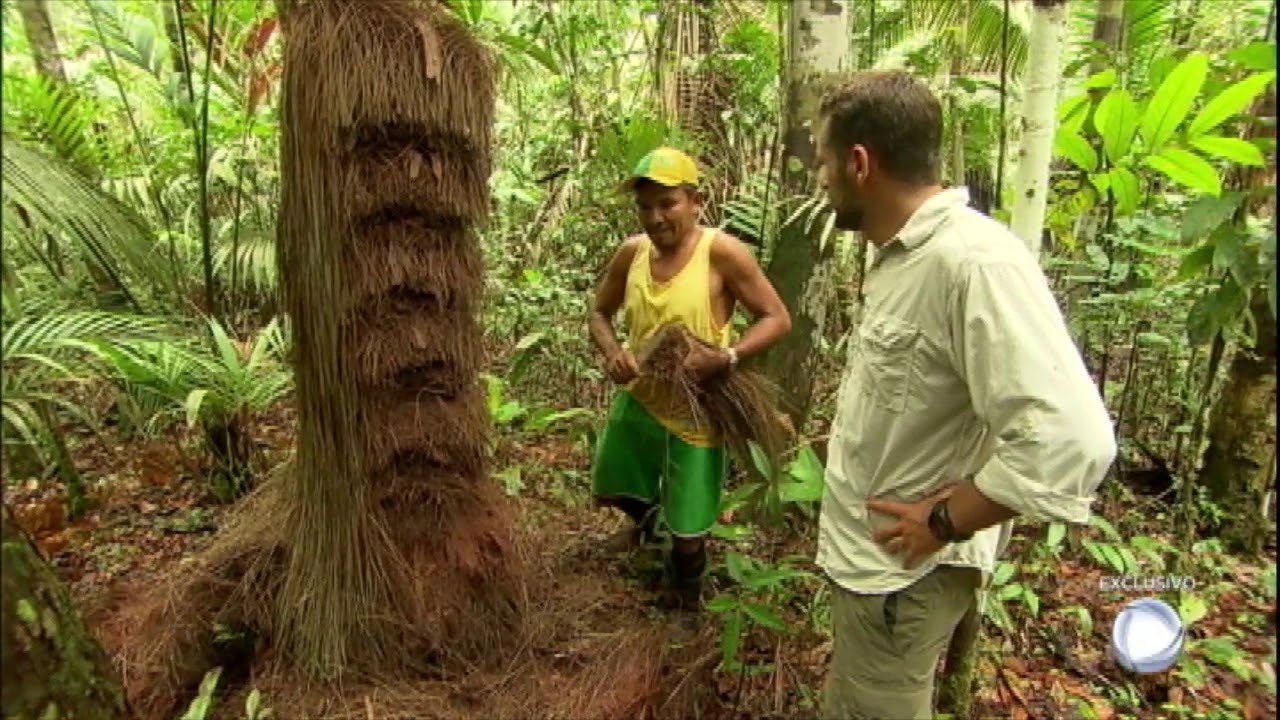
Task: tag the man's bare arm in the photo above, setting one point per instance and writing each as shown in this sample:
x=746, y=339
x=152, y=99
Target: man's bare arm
x=609, y=297
x=747, y=283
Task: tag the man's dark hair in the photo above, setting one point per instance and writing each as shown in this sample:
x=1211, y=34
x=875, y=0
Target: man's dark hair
x=892, y=114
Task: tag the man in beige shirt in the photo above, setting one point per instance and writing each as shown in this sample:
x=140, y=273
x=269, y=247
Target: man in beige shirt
x=965, y=403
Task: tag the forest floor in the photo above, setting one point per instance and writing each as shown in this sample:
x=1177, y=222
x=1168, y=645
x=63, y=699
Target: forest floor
x=617, y=654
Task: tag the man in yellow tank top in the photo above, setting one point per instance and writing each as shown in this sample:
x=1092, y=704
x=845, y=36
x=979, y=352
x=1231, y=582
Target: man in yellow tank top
x=651, y=463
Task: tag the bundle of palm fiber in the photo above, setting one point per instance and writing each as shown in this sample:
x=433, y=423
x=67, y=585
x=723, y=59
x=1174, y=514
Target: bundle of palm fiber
x=740, y=405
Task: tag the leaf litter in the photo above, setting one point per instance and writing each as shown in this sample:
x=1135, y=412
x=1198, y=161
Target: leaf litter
x=150, y=513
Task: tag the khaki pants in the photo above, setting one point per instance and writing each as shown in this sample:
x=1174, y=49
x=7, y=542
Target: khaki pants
x=887, y=647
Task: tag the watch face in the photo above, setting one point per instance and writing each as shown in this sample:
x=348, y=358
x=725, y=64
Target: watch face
x=938, y=523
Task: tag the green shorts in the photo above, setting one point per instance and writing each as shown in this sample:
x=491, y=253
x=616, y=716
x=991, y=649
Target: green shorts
x=638, y=458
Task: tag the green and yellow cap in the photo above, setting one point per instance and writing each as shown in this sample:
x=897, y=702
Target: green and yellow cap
x=665, y=166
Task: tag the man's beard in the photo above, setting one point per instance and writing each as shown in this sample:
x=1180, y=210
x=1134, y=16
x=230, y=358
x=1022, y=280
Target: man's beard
x=849, y=219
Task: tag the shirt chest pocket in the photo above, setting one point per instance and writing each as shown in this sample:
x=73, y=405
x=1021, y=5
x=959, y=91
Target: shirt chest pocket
x=890, y=351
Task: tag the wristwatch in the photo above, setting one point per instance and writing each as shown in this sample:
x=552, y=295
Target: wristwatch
x=733, y=358
x=941, y=527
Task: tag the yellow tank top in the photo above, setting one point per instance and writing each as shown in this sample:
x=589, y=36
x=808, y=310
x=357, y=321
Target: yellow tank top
x=684, y=299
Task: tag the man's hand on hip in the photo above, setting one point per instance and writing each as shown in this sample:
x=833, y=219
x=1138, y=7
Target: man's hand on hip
x=909, y=535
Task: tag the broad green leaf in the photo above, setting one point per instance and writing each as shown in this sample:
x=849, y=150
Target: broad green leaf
x=773, y=576
x=1117, y=121
x=730, y=637
x=1124, y=187
x=1032, y=600
x=1255, y=56
x=192, y=405
x=722, y=603
x=806, y=468
x=801, y=492
x=738, y=497
x=1214, y=310
x=1192, y=608
x=1057, y=533
x=764, y=616
x=1103, y=524
x=253, y=704
x=1071, y=146
x=1229, y=103
x=1160, y=68
x=736, y=565
x=1113, y=556
x=1206, y=213
x=1073, y=112
x=1195, y=262
x=1104, y=79
x=1187, y=169
x=1101, y=182
x=1003, y=572
x=761, y=461
x=1172, y=100
x=541, y=55
x=1233, y=149
x=1227, y=248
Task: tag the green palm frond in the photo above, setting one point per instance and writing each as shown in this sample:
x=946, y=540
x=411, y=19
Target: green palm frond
x=59, y=117
x=253, y=261
x=209, y=379
x=59, y=201
x=1148, y=25
x=46, y=337
x=936, y=26
x=40, y=354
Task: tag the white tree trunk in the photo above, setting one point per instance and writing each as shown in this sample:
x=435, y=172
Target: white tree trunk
x=1039, y=120
x=819, y=46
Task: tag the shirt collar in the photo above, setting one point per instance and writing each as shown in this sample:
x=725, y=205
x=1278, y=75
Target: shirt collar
x=924, y=222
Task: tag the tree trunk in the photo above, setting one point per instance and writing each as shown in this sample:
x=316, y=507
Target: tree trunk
x=1237, y=464
x=1039, y=102
x=692, y=91
x=52, y=666
x=1108, y=33
x=38, y=28
x=1242, y=436
x=819, y=42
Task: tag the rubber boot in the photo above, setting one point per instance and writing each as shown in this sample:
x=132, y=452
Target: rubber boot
x=643, y=519
x=685, y=589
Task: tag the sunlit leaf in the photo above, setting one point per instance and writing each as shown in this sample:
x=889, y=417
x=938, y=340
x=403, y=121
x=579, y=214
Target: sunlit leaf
x=1187, y=169
x=1173, y=99
x=1116, y=120
x=1255, y=56
x=1232, y=101
x=1233, y=149
x=1071, y=146
x=1124, y=187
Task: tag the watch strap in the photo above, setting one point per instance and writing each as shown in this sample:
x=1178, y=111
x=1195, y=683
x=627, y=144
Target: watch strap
x=941, y=526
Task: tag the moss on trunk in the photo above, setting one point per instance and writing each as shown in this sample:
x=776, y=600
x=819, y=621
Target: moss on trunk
x=1242, y=436
x=52, y=666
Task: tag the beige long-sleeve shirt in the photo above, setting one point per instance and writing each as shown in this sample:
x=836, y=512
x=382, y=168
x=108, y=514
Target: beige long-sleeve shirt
x=962, y=364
